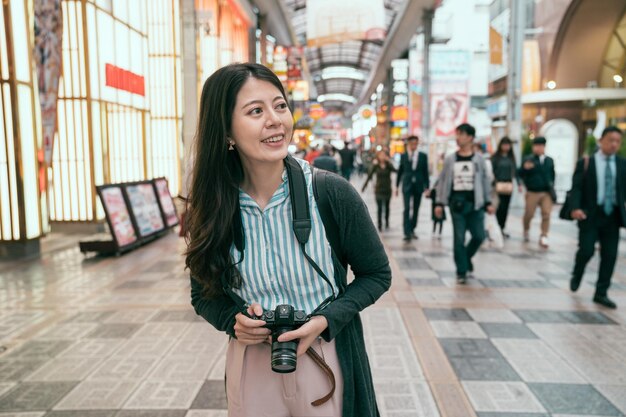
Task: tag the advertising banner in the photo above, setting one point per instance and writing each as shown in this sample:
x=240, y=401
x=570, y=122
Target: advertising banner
x=165, y=200
x=117, y=213
x=449, y=103
x=145, y=208
x=47, y=55
x=329, y=21
x=416, y=70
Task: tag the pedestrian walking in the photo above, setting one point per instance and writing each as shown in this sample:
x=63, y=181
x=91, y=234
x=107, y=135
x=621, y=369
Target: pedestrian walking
x=413, y=175
x=253, y=267
x=348, y=155
x=597, y=200
x=504, y=171
x=326, y=160
x=382, y=169
x=537, y=174
x=464, y=187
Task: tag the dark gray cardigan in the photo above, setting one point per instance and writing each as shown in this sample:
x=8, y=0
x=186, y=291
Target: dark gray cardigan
x=367, y=258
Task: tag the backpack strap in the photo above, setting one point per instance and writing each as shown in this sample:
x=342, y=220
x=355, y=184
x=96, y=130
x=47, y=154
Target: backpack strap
x=320, y=192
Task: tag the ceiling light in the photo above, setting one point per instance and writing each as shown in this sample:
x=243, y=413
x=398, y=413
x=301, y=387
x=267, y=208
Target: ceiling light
x=618, y=78
x=343, y=72
x=551, y=85
x=337, y=97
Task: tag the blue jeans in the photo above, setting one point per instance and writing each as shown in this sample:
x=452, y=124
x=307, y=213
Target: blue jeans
x=466, y=218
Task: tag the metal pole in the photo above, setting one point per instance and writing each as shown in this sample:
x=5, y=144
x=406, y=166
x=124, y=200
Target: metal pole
x=514, y=84
x=428, y=36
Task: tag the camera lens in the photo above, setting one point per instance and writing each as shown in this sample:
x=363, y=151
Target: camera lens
x=284, y=358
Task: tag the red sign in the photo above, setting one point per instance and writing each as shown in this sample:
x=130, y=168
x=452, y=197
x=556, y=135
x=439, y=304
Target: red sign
x=122, y=79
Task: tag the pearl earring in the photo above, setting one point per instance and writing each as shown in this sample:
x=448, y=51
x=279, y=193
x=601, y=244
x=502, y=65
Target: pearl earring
x=230, y=146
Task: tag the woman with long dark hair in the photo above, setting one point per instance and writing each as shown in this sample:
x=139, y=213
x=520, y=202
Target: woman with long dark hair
x=504, y=171
x=246, y=260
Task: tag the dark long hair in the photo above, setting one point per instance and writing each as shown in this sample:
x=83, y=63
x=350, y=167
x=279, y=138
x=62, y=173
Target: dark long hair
x=217, y=173
x=510, y=154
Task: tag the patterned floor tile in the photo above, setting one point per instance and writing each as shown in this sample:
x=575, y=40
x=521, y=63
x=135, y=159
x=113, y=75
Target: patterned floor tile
x=411, y=397
x=493, y=315
x=140, y=347
x=455, y=314
x=92, y=348
x=82, y=413
x=502, y=397
x=154, y=331
x=477, y=360
x=124, y=368
x=90, y=316
x=33, y=414
x=615, y=394
x=212, y=395
x=575, y=317
x=534, y=361
x=176, y=315
x=457, y=329
x=114, y=331
x=67, y=331
x=573, y=399
x=65, y=369
x=37, y=349
x=207, y=413
x=135, y=285
x=98, y=395
x=6, y=386
x=18, y=369
x=510, y=283
x=151, y=413
x=508, y=330
x=130, y=316
x=164, y=395
x=503, y=414
x=412, y=263
x=35, y=396
x=181, y=368
x=421, y=282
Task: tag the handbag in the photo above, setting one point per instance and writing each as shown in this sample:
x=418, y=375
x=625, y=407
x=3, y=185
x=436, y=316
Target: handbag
x=566, y=209
x=504, y=187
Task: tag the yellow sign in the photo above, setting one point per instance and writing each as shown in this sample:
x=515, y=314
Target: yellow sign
x=495, y=47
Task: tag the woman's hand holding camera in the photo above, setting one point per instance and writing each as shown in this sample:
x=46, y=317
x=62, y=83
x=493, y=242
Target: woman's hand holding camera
x=249, y=331
x=307, y=333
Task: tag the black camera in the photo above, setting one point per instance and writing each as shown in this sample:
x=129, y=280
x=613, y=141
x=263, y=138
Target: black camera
x=283, y=319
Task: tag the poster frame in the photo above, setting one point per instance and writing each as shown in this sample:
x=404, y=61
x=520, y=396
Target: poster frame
x=133, y=216
x=163, y=214
x=138, y=239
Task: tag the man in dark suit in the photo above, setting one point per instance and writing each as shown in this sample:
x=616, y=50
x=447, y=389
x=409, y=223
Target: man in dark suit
x=597, y=198
x=413, y=173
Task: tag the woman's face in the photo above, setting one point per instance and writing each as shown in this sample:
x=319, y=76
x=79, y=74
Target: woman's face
x=505, y=148
x=262, y=124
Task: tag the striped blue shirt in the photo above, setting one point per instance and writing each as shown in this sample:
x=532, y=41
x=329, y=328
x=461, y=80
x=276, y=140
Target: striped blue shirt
x=274, y=269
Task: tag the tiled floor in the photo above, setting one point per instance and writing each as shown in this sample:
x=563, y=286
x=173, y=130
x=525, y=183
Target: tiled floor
x=116, y=337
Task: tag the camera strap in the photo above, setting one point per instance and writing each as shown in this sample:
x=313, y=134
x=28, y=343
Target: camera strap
x=301, y=225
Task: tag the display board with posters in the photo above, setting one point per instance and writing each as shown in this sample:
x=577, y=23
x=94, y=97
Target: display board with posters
x=118, y=216
x=165, y=201
x=144, y=208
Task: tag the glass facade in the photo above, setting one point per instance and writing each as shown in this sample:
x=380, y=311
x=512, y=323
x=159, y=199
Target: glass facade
x=119, y=110
x=22, y=196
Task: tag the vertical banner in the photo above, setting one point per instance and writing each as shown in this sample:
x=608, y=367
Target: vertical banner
x=416, y=69
x=47, y=55
x=449, y=72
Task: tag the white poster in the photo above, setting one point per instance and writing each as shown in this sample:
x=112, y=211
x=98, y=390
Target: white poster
x=330, y=21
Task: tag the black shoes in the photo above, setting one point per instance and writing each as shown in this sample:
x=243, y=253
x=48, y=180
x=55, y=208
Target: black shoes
x=407, y=238
x=605, y=301
x=574, y=283
x=461, y=279
x=414, y=236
